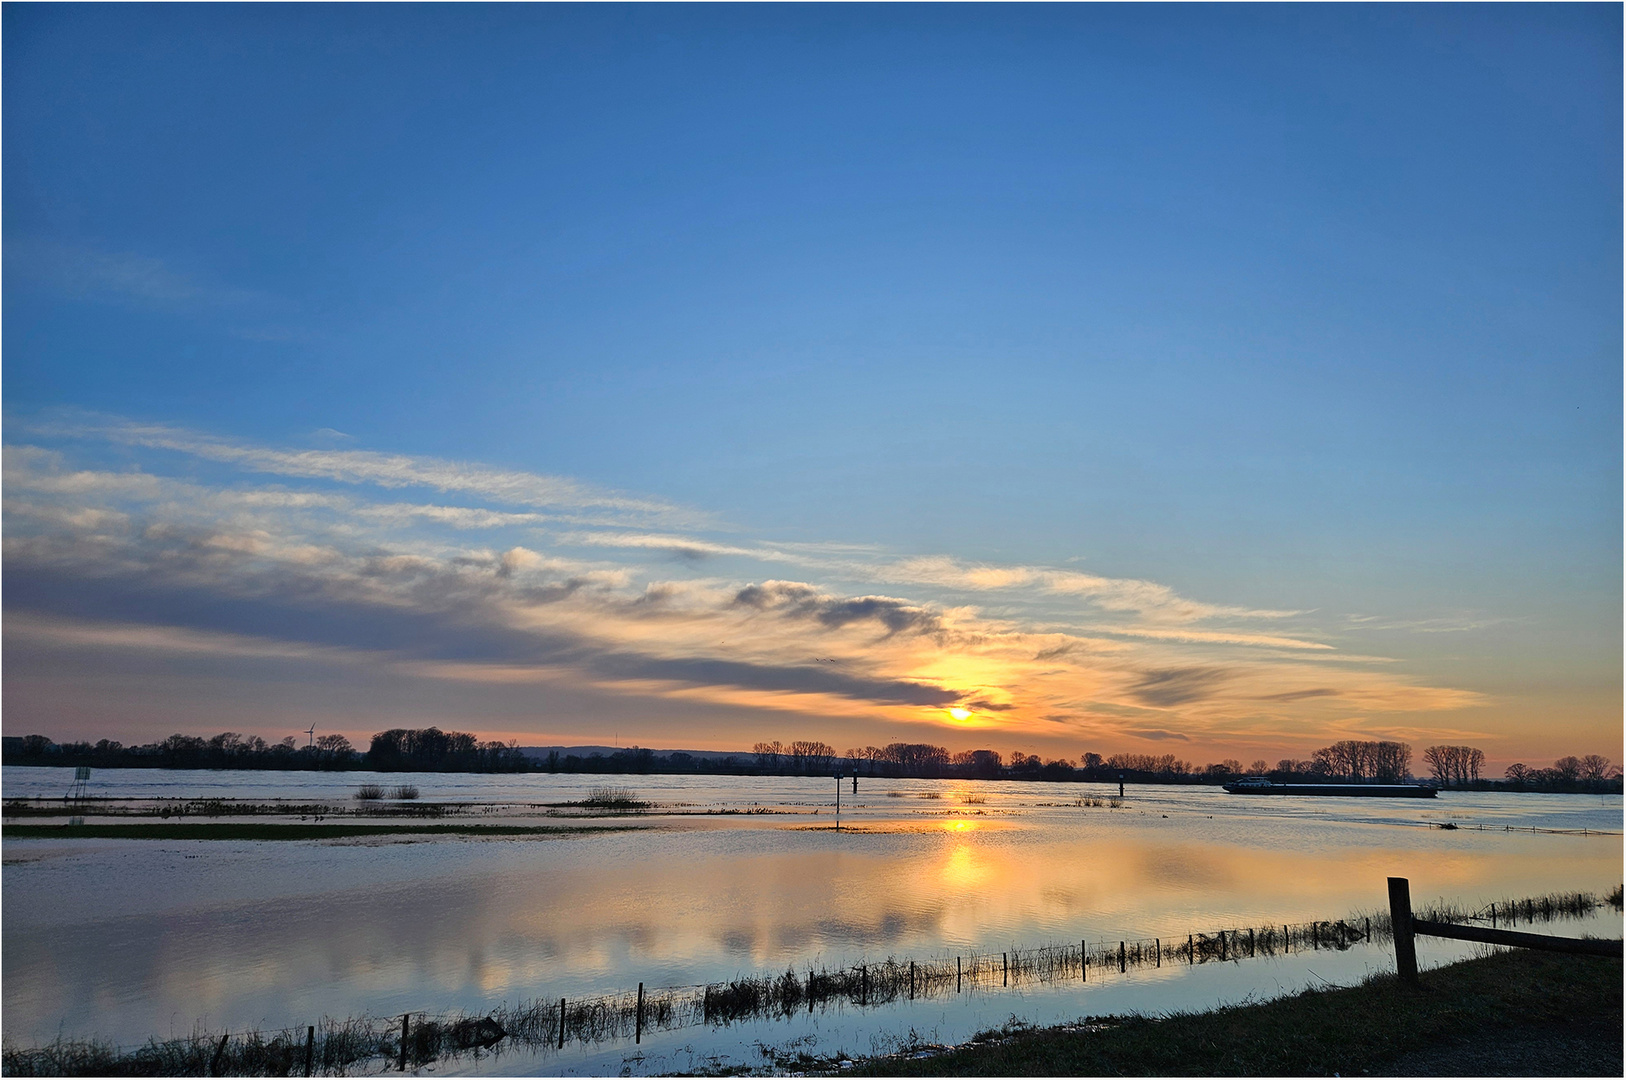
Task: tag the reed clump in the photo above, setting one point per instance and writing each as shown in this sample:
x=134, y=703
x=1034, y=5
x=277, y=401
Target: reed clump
x=613, y=798
x=369, y=792
x=1542, y=908
x=334, y=1047
x=404, y=791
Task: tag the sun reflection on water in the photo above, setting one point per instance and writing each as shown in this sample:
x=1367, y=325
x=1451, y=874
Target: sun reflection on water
x=965, y=868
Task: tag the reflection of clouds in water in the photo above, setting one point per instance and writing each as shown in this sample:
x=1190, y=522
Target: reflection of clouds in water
x=464, y=924
x=737, y=942
x=1184, y=867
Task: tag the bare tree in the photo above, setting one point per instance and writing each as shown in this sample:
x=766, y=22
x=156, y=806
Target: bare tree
x=873, y=755
x=1358, y=761
x=1594, y=767
x=334, y=746
x=802, y=754
x=1165, y=764
x=1454, y=764
x=1391, y=761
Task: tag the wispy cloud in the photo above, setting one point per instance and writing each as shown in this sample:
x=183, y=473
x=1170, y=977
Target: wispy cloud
x=136, y=280
x=1455, y=624
x=366, y=467
x=309, y=556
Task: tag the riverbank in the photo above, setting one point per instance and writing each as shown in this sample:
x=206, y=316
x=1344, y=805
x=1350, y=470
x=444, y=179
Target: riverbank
x=1518, y=1013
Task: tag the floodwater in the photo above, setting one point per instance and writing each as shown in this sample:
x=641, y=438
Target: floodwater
x=731, y=876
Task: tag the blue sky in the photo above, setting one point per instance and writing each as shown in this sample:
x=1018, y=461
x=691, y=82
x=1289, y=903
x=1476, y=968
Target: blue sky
x=1312, y=311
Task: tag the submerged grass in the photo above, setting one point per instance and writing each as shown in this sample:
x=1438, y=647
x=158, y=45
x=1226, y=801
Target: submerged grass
x=244, y=830
x=212, y=808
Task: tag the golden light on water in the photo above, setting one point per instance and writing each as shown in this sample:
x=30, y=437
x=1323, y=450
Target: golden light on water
x=965, y=868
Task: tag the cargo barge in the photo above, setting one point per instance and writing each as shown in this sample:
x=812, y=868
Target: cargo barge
x=1258, y=785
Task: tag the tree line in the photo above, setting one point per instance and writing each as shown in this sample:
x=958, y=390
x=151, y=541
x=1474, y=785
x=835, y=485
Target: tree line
x=396, y=750
x=433, y=750
x=1592, y=772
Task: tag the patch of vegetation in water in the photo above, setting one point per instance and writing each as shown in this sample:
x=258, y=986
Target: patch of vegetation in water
x=212, y=808
x=234, y=830
x=614, y=799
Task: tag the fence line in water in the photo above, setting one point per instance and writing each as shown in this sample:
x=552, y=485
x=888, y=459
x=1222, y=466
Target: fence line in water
x=335, y=1046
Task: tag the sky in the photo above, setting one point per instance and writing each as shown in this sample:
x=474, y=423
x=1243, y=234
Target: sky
x=1216, y=381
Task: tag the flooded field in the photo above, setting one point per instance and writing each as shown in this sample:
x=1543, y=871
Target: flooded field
x=722, y=878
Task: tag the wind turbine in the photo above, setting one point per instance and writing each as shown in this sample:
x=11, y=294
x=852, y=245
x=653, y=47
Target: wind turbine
x=311, y=731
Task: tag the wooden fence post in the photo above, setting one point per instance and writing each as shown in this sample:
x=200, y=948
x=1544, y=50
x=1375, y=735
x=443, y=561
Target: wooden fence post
x=404, y=1040
x=310, y=1048
x=1191, y=950
x=1287, y=939
x=1159, y=945
x=1400, y=916
x=957, y=975
x=638, y=1022
x=863, y=984
x=1005, y=958
x=911, y=980
x=220, y=1054
x=1084, y=961
x=1122, y=964
x=561, y=1023
x=1222, y=944
x=1250, y=941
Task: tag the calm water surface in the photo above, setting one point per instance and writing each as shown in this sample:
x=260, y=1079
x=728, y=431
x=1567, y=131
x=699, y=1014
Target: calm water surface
x=125, y=939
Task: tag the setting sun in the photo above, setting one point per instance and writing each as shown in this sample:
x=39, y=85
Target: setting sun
x=960, y=714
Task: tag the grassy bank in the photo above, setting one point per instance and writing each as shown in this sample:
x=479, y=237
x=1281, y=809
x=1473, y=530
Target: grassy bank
x=1517, y=1013
x=253, y=830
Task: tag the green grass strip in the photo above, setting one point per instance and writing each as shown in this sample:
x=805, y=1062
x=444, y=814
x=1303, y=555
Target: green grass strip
x=1518, y=1013
x=244, y=830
